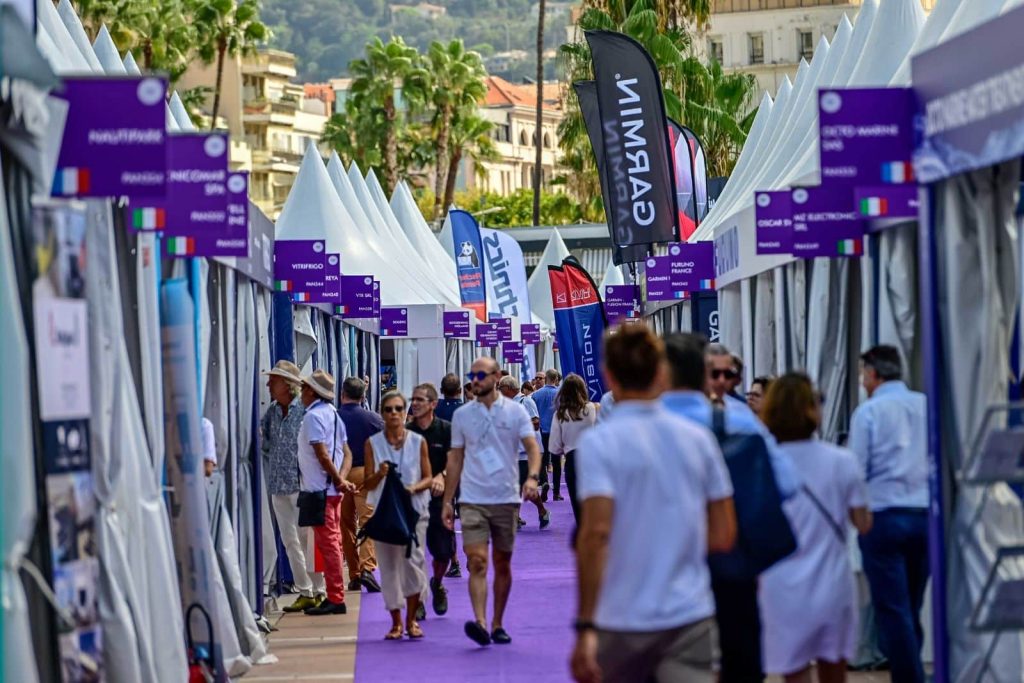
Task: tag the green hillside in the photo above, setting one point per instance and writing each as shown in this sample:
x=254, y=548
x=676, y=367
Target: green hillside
x=328, y=34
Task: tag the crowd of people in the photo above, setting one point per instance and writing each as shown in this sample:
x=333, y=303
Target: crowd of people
x=713, y=527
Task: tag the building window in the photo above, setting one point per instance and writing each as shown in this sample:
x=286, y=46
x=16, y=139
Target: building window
x=547, y=140
x=716, y=50
x=522, y=136
x=755, y=41
x=805, y=42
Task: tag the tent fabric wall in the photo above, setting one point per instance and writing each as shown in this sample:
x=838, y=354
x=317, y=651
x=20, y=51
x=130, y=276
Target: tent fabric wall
x=730, y=317
x=977, y=256
x=764, y=326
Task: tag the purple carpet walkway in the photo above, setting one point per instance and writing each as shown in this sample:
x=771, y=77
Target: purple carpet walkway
x=538, y=618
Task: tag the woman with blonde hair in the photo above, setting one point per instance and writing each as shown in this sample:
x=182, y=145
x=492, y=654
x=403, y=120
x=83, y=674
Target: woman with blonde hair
x=574, y=414
x=402, y=578
x=808, y=601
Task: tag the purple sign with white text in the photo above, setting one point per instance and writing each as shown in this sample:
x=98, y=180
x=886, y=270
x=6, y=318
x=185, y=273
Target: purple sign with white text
x=887, y=201
x=115, y=140
x=621, y=302
x=487, y=335
x=693, y=266
x=299, y=269
x=456, y=324
x=512, y=352
x=356, y=297
x=530, y=333
x=332, y=279
x=504, y=328
x=235, y=240
x=197, y=193
x=376, y=298
x=773, y=222
x=825, y=223
x=659, y=279
x=394, y=322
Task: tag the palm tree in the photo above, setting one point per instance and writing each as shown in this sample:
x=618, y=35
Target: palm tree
x=718, y=109
x=457, y=81
x=538, y=158
x=470, y=137
x=374, y=81
x=226, y=30
x=160, y=33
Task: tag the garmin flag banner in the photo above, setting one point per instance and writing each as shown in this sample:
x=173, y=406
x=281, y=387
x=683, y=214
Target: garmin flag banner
x=579, y=323
x=469, y=262
x=586, y=93
x=637, y=155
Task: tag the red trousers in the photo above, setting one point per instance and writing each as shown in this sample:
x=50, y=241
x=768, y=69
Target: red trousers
x=328, y=544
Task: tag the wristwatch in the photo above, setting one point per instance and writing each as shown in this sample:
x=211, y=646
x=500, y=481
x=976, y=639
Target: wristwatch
x=581, y=625
x=535, y=477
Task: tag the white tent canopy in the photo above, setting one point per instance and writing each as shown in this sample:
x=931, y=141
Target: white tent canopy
x=539, y=284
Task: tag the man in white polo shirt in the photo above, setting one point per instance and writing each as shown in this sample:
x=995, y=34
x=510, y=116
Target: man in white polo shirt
x=484, y=462
x=656, y=498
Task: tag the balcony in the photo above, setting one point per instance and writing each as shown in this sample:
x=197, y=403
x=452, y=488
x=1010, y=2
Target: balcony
x=280, y=112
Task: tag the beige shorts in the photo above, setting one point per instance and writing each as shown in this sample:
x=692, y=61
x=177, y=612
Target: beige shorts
x=481, y=523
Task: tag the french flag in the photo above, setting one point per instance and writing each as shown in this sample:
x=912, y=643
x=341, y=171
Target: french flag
x=71, y=181
x=706, y=284
x=897, y=172
x=300, y=297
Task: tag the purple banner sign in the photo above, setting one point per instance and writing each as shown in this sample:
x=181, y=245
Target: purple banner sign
x=394, y=322
x=621, y=302
x=456, y=324
x=773, y=222
x=530, y=333
x=887, y=201
x=867, y=136
x=376, y=298
x=487, y=335
x=824, y=222
x=332, y=279
x=356, y=297
x=197, y=193
x=659, y=279
x=693, y=266
x=299, y=269
x=512, y=352
x=115, y=142
x=504, y=328
x=235, y=240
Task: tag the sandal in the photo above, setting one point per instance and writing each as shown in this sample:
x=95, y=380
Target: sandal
x=414, y=631
x=395, y=633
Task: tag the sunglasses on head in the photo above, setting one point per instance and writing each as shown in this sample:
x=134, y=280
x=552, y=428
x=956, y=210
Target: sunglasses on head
x=478, y=376
x=392, y=409
x=728, y=374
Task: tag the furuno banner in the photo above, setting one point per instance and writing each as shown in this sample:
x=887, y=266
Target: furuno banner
x=586, y=92
x=637, y=154
x=469, y=262
x=693, y=266
x=579, y=323
x=507, y=293
x=682, y=164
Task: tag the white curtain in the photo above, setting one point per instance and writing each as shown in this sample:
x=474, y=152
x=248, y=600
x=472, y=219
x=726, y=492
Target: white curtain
x=764, y=361
x=730, y=317
x=828, y=332
x=795, y=275
x=305, y=338
x=897, y=292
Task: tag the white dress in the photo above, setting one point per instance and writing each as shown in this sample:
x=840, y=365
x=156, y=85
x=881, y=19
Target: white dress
x=808, y=601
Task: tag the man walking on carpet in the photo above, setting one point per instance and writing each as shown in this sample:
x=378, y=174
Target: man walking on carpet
x=509, y=388
x=484, y=460
x=545, y=400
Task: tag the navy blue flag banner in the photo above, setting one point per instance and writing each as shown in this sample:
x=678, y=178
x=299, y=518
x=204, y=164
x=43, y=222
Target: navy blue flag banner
x=586, y=92
x=637, y=152
x=469, y=262
x=579, y=323
x=686, y=192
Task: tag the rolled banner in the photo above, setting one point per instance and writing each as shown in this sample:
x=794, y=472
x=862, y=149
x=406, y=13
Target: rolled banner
x=579, y=323
x=469, y=262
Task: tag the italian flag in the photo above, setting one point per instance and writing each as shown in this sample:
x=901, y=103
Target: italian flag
x=181, y=246
x=897, y=172
x=850, y=247
x=283, y=285
x=300, y=297
x=341, y=310
x=874, y=206
x=71, y=181
x=149, y=219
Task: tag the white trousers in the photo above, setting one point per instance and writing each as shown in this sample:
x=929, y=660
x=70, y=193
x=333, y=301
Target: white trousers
x=298, y=543
x=400, y=576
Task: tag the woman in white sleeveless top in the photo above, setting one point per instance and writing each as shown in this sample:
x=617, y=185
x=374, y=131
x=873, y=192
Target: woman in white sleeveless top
x=574, y=414
x=402, y=578
x=808, y=601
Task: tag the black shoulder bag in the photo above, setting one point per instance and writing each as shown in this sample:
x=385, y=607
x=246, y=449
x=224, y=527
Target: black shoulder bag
x=313, y=504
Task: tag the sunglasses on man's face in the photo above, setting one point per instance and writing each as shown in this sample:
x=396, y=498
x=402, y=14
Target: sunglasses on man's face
x=478, y=376
x=728, y=374
x=387, y=410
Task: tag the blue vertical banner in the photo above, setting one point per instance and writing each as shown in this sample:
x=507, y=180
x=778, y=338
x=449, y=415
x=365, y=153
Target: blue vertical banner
x=469, y=262
x=704, y=312
x=579, y=323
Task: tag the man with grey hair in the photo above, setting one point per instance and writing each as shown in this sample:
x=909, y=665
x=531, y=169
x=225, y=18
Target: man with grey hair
x=509, y=388
x=724, y=374
x=279, y=428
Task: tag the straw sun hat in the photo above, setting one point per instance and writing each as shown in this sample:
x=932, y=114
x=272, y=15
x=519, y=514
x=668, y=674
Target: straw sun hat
x=288, y=370
x=322, y=384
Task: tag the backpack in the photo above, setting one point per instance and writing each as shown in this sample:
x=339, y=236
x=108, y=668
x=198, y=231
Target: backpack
x=763, y=533
x=394, y=518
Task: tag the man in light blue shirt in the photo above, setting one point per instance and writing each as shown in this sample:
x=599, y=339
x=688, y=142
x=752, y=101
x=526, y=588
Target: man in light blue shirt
x=691, y=365
x=545, y=400
x=888, y=434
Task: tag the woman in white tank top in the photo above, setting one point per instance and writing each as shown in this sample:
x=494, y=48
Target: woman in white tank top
x=403, y=579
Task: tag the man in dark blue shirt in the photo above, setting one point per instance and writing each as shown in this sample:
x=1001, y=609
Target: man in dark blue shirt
x=360, y=425
x=451, y=387
x=545, y=400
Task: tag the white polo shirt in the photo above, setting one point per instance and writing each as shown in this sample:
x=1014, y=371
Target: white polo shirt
x=491, y=438
x=320, y=424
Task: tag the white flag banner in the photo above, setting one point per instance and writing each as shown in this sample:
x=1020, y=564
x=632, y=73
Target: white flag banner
x=507, y=292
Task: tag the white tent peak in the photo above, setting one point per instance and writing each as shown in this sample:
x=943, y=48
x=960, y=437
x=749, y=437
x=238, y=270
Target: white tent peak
x=77, y=32
x=130, y=65
x=181, y=116
x=539, y=284
x=612, y=276
x=48, y=18
x=312, y=205
x=106, y=52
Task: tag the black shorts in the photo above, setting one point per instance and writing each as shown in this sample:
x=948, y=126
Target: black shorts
x=440, y=541
x=524, y=472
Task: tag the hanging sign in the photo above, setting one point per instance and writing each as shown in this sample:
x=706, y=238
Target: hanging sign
x=299, y=269
x=487, y=335
x=825, y=223
x=894, y=201
x=197, y=194
x=456, y=324
x=504, y=328
x=530, y=333
x=356, y=297
x=332, y=279
x=234, y=241
x=773, y=222
x=621, y=302
x=659, y=279
x=376, y=298
x=394, y=322
x=259, y=264
x=693, y=266
x=115, y=140
x=512, y=352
